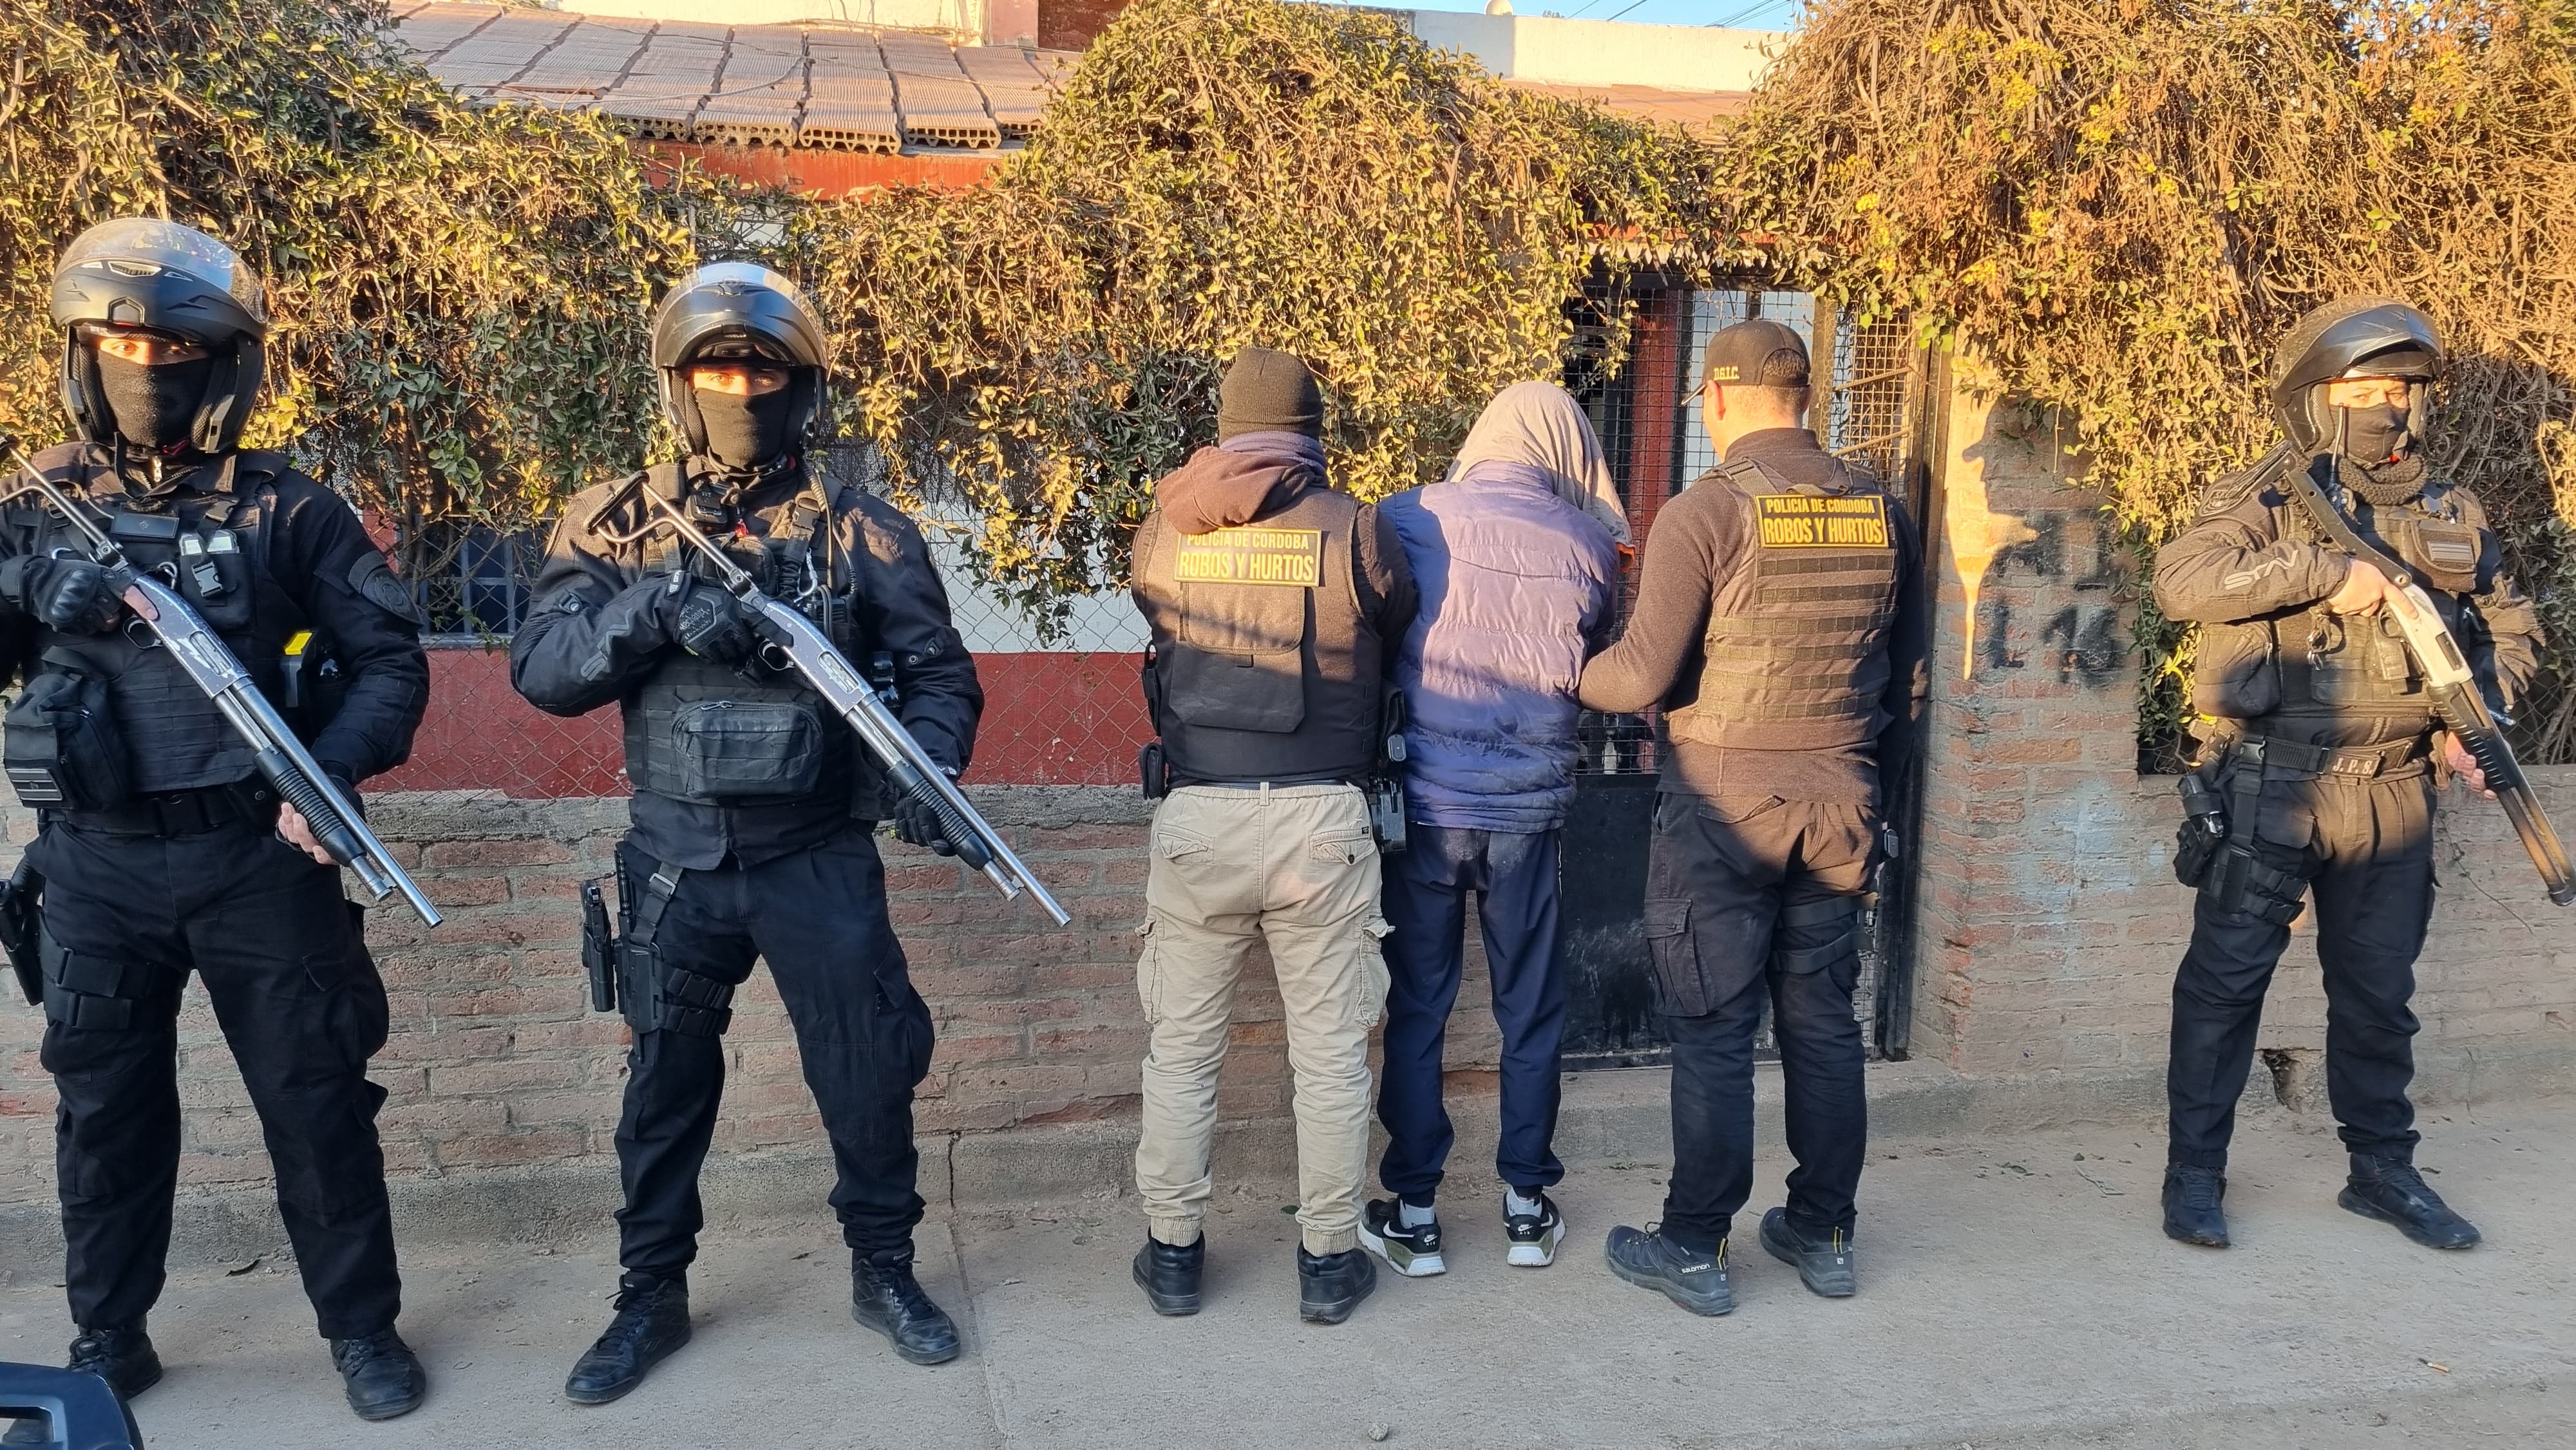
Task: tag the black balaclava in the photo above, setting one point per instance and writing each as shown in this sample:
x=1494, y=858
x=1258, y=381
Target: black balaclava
x=2380, y=460
x=155, y=403
x=745, y=432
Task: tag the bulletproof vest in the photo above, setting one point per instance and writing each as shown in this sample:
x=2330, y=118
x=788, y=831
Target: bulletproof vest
x=1264, y=667
x=212, y=547
x=2358, y=665
x=700, y=731
x=1797, y=638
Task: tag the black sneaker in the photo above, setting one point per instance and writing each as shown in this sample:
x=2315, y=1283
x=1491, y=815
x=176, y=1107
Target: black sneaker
x=889, y=1300
x=1649, y=1259
x=1329, y=1287
x=122, y=1357
x=1412, y=1252
x=651, y=1324
x=1533, y=1236
x=1169, y=1275
x=2391, y=1191
x=1824, y=1265
x=2192, y=1212
x=380, y=1374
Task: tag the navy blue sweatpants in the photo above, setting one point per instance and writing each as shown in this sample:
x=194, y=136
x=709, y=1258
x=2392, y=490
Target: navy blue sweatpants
x=1425, y=896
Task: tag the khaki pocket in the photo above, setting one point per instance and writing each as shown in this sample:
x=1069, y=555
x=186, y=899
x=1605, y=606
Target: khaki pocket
x=1374, y=981
x=1341, y=850
x=1149, y=973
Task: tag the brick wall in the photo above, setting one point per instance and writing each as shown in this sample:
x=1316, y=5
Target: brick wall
x=496, y=1061
x=2047, y=932
x=2049, y=921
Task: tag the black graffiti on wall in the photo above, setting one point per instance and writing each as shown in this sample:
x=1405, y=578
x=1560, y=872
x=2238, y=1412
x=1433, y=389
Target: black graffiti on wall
x=2083, y=643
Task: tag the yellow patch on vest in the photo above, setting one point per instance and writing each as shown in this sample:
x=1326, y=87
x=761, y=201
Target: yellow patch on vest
x=1814, y=521
x=1289, y=558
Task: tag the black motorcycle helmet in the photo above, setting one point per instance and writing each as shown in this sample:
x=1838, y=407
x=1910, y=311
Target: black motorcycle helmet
x=142, y=272
x=733, y=311
x=2353, y=337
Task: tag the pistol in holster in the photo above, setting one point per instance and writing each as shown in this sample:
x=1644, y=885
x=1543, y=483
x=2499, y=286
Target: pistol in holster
x=599, y=947
x=22, y=928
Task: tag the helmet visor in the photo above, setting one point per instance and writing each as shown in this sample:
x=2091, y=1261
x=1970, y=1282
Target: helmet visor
x=141, y=247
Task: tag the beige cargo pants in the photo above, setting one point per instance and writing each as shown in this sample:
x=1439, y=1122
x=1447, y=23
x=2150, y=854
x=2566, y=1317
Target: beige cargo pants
x=1294, y=866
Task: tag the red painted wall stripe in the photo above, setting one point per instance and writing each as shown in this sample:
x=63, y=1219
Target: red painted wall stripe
x=1049, y=719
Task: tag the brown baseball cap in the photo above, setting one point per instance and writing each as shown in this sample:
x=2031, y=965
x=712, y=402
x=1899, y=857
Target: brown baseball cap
x=1756, y=353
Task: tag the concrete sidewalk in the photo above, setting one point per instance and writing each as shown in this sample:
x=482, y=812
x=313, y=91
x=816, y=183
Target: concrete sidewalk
x=2015, y=1293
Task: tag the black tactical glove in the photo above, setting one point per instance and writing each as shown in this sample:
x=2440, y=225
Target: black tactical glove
x=713, y=625
x=915, y=823
x=72, y=595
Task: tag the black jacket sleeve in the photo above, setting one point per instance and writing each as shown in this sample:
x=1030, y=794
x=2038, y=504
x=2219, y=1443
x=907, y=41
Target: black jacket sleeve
x=592, y=631
x=902, y=606
x=2234, y=565
x=2505, y=638
x=323, y=559
x=1388, y=599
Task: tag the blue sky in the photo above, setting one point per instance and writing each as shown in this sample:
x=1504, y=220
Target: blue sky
x=1749, y=14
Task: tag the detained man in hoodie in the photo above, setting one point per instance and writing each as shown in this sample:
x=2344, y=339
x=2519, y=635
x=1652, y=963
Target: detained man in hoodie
x=1275, y=605
x=1514, y=556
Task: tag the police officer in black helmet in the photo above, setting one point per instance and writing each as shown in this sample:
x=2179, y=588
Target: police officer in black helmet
x=2318, y=747
x=754, y=805
x=163, y=852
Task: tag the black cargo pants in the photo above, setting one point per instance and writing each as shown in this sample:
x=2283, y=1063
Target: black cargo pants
x=1751, y=901
x=266, y=928
x=818, y=917
x=2365, y=849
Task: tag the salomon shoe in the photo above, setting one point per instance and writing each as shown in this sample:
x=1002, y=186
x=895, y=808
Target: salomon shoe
x=1533, y=1236
x=1823, y=1264
x=1649, y=1259
x=2392, y=1191
x=2192, y=1198
x=1412, y=1252
x=651, y=1323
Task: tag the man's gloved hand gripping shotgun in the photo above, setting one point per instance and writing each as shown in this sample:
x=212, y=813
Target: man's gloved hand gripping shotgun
x=290, y=769
x=2457, y=697
x=795, y=642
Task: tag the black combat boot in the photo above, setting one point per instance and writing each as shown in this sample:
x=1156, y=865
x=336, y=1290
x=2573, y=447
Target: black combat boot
x=2391, y=1191
x=122, y=1357
x=1330, y=1286
x=651, y=1324
x=1169, y=1275
x=1824, y=1264
x=889, y=1300
x=2192, y=1214
x=382, y=1376
x=1651, y=1259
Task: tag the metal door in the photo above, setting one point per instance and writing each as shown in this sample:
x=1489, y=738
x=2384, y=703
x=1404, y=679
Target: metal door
x=1872, y=412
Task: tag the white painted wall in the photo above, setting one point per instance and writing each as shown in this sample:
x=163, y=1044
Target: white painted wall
x=1601, y=52
x=963, y=17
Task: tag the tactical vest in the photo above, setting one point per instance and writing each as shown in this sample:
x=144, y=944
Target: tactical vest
x=212, y=547
x=699, y=731
x=2342, y=666
x=1797, y=638
x=1264, y=667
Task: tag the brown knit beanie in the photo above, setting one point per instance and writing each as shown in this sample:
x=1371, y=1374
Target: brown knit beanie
x=1266, y=390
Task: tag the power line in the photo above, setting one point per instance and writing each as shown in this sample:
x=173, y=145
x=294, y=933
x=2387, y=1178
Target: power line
x=1744, y=14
